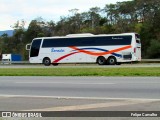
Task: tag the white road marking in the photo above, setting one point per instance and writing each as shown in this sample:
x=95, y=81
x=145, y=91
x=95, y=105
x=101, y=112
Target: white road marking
x=91, y=106
x=75, y=83
x=85, y=98
x=121, y=102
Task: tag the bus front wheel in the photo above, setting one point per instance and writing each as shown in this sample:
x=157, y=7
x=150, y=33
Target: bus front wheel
x=46, y=61
x=101, y=60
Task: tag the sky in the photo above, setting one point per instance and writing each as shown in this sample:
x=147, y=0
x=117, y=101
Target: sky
x=12, y=11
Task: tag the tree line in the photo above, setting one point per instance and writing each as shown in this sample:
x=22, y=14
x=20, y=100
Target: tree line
x=140, y=16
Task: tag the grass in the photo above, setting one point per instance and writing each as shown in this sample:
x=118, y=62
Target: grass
x=146, y=71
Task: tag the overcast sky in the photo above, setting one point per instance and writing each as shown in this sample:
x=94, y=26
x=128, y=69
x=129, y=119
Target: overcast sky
x=14, y=10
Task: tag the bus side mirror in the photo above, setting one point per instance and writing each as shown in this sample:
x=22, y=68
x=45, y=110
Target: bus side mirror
x=28, y=46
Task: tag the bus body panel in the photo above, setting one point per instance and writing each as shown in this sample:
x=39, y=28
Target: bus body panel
x=88, y=54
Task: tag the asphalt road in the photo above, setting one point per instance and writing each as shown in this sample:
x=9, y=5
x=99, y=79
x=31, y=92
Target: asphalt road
x=79, y=65
x=90, y=87
x=80, y=94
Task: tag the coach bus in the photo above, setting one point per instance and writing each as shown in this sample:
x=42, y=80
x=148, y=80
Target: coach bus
x=103, y=49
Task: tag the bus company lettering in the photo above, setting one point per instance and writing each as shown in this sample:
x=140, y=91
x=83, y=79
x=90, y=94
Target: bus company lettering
x=117, y=38
x=57, y=50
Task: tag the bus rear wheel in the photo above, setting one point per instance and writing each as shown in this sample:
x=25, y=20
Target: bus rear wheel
x=111, y=60
x=46, y=61
x=101, y=60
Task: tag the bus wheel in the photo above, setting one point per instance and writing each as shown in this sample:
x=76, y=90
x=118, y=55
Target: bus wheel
x=101, y=60
x=111, y=60
x=46, y=61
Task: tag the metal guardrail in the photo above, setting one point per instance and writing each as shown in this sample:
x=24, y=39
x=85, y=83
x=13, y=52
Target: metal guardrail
x=27, y=62
x=150, y=60
x=14, y=62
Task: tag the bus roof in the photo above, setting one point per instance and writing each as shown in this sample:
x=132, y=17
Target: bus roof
x=85, y=35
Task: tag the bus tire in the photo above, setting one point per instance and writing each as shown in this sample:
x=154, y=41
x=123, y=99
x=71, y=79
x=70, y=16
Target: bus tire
x=101, y=60
x=46, y=61
x=111, y=60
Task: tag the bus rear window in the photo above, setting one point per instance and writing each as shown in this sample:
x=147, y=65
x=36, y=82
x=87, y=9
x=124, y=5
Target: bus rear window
x=137, y=36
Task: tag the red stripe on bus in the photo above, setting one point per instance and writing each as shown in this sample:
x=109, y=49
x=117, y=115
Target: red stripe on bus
x=59, y=59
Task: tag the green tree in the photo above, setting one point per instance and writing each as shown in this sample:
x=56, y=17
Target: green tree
x=153, y=50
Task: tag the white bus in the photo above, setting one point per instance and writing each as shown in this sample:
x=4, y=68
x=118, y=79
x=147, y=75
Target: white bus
x=103, y=49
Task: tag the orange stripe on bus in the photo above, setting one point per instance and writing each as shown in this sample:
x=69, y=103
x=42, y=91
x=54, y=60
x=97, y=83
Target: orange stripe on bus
x=100, y=53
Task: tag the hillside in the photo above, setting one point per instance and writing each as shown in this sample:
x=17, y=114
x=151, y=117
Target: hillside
x=9, y=32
